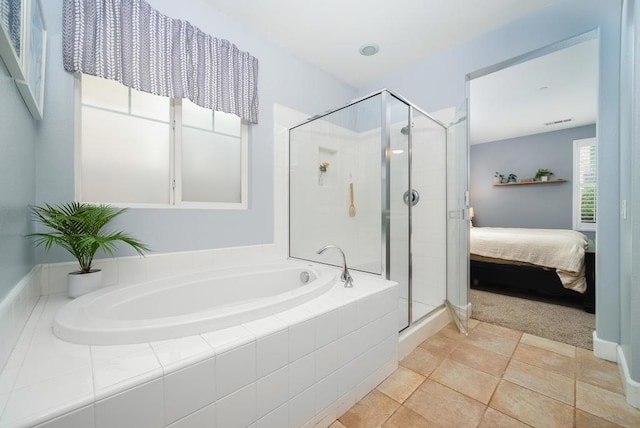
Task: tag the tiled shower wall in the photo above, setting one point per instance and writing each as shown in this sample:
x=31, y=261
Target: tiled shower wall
x=320, y=202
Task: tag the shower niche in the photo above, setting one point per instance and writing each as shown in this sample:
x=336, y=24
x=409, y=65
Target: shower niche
x=378, y=149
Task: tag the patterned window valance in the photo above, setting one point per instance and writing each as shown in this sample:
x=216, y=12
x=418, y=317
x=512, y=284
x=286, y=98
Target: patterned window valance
x=132, y=43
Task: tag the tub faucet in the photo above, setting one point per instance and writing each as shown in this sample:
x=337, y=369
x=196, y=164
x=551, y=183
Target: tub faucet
x=346, y=276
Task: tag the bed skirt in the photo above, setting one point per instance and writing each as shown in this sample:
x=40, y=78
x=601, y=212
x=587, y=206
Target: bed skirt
x=499, y=277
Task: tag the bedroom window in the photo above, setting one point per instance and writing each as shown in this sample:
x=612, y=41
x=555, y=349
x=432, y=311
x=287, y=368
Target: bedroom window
x=585, y=178
x=139, y=149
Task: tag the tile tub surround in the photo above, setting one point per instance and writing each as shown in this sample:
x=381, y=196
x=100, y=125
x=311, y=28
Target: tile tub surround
x=124, y=270
x=15, y=309
x=301, y=367
x=47, y=279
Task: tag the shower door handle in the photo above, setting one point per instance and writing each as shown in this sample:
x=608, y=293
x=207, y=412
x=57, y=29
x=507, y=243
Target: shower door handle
x=415, y=197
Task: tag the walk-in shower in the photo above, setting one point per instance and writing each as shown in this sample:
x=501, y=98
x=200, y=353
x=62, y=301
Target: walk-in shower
x=371, y=178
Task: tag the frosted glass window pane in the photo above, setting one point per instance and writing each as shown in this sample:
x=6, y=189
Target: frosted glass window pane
x=194, y=115
x=211, y=167
x=226, y=123
x=149, y=105
x=124, y=159
x=104, y=93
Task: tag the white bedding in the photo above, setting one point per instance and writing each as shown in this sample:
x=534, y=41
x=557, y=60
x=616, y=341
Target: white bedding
x=559, y=249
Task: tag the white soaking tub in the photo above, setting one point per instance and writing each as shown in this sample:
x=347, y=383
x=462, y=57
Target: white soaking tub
x=186, y=305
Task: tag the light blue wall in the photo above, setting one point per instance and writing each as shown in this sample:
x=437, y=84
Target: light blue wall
x=630, y=188
x=17, y=171
x=283, y=79
x=546, y=206
x=440, y=83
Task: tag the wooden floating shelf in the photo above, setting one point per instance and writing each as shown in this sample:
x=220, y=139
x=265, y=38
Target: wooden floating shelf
x=519, y=183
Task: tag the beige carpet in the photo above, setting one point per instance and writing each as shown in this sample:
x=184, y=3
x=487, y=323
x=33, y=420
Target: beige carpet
x=560, y=323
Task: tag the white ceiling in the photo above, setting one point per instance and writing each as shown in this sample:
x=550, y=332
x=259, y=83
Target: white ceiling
x=505, y=104
x=329, y=33
x=521, y=99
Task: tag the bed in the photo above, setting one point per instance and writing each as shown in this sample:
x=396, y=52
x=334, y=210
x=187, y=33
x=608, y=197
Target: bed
x=545, y=261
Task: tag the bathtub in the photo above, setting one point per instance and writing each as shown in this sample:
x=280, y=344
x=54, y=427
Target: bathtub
x=187, y=305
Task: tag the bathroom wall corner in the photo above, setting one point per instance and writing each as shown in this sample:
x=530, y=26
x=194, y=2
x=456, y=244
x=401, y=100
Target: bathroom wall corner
x=15, y=310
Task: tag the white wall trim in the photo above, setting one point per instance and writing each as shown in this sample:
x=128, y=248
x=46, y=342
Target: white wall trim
x=604, y=349
x=631, y=387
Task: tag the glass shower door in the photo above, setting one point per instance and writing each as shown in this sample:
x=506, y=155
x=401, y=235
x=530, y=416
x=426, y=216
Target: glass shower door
x=397, y=153
x=428, y=214
x=458, y=220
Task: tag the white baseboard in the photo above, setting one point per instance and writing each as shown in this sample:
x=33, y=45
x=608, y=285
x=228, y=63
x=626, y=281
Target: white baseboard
x=464, y=312
x=605, y=349
x=611, y=351
x=631, y=387
x=413, y=336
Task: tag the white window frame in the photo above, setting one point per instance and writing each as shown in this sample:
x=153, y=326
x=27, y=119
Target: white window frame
x=175, y=159
x=577, y=218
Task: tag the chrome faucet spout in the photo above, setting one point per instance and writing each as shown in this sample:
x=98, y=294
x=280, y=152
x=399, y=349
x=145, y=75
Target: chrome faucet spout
x=346, y=276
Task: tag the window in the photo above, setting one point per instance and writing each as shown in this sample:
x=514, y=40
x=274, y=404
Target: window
x=585, y=178
x=139, y=149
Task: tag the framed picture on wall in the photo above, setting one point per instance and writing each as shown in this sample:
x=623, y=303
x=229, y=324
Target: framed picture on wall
x=23, y=47
x=35, y=48
x=12, y=33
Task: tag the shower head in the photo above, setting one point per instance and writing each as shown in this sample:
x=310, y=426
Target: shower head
x=405, y=130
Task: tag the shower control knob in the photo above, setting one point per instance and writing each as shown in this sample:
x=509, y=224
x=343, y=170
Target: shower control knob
x=415, y=197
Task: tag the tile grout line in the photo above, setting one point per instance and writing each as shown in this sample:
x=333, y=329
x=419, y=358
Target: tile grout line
x=501, y=378
x=488, y=406
x=421, y=383
x=537, y=392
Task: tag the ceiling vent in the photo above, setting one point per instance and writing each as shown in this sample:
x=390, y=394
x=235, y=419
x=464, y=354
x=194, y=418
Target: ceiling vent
x=558, y=122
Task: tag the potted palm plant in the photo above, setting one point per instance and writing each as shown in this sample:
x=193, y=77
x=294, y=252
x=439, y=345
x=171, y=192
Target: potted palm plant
x=79, y=228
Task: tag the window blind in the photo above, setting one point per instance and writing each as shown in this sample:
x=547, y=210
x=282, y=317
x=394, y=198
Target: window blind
x=588, y=161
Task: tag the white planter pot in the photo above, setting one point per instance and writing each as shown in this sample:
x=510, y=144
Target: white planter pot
x=83, y=283
x=544, y=178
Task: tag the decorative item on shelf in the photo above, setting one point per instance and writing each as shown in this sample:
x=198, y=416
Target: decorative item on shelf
x=78, y=228
x=498, y=178
x=324, y=166
x=512, y=178
x=352, y=206
x=543, y=174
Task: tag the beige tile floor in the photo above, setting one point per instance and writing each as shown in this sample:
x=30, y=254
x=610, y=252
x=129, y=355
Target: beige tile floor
x=495, y=377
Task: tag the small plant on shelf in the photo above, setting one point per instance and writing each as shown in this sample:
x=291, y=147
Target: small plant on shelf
x=543, y=174
x=324, y=166
x=512, y=178
x=498, y=178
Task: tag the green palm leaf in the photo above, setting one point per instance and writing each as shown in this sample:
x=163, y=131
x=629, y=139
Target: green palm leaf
x=78, y=228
